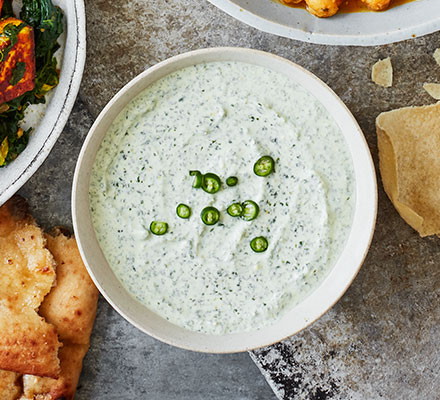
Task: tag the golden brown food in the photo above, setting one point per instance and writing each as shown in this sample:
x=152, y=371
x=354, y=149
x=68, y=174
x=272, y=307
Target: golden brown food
x=328, y=8
x=323, y=8
x=382, y=73
x=28, y=344
x=377, y=5
x=409, y=156
x=10, y=384
x=17, y=70
x=71, y=307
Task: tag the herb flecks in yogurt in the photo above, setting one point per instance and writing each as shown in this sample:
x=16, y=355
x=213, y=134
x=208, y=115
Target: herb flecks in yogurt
x=208, y=278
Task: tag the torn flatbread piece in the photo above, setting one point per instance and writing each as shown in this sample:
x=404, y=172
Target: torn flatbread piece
x=38, y=388
x=436, y=56
x=28, y=345
x=409, y=156
x=433, y=89
x=71, y=307
x=10, y=385
x=382, y=73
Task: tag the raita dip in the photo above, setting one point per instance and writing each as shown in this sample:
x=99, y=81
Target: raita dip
x=221, y=117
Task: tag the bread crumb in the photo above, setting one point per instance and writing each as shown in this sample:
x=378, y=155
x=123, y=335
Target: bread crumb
x=433, y=90
x=382, y=73
x=436, y=56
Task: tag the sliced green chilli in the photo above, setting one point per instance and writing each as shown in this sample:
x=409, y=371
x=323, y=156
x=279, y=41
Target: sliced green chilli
x=198, y=179
x=211, y=183
x=158, y=228
x=232, y=181
x=250, y=210
x=235, y=210
x=259, y=244
x=264, y=166
x=210, y=215
x=183, y=211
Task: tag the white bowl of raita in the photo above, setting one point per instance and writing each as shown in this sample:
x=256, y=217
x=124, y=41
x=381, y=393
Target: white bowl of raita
x=224, y=200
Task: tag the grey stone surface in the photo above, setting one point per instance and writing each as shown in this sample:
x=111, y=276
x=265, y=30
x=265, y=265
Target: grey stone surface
x=380, y=341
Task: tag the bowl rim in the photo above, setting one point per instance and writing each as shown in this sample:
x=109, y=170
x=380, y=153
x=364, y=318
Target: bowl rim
x=340, y=276
x=339, y=39
x=72, y=72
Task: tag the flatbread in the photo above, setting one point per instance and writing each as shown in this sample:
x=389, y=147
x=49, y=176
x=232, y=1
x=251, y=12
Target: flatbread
x=28, y=345
x=409, y=159
x=10, y=385
x=37, y=388
x=436, y=56
x=382, y=73
x=433, y=90
x=71, y=307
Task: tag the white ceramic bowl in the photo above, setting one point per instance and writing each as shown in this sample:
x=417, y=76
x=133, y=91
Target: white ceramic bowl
x=413, y=19
x=48, y=121
x=318, y=302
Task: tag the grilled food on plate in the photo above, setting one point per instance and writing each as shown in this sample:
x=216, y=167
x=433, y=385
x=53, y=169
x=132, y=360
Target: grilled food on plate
x=28, y=67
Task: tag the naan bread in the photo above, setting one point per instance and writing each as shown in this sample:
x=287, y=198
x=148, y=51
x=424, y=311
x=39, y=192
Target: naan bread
x=71, y=307
x=10, y=385
x=28, y=345
x=409, y=156
x=38, y=388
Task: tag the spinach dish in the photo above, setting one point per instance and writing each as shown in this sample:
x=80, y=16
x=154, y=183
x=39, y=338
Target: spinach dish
x=28, y=67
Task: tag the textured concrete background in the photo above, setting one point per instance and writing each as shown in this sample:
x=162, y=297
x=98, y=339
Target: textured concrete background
x=380, y=341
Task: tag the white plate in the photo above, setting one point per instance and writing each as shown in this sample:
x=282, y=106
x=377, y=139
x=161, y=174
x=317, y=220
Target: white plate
x=50, y=123
x=308, y=310
x=413, y=19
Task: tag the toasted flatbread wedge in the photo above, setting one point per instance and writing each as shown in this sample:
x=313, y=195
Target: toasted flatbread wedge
x=28, y=344
x=37, y=388
x=10, y=384
x=409, y=155
x=17, y=70
x=71, y=307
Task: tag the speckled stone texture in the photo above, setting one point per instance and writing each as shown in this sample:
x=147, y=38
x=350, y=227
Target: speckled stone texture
x=380, y=341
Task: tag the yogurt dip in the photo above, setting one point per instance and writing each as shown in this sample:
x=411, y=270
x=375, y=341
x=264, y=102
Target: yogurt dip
x=221, y=117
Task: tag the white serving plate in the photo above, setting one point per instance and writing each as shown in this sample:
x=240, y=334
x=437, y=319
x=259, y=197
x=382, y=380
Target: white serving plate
x=49, y=120
x=413, y=19
x=313, y=306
